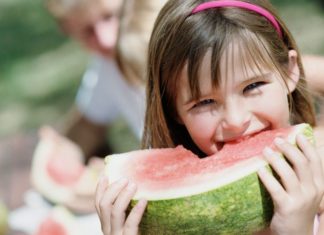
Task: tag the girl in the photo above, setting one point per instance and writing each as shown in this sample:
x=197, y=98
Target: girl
x=222, y=71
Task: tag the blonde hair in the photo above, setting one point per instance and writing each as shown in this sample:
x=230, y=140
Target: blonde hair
x=180, y=38
x=137, y=19
x=61, y=9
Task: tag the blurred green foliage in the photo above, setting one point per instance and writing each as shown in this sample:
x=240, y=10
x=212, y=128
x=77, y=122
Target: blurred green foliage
x=280, y=3
x=40, y=68
x=26, y=31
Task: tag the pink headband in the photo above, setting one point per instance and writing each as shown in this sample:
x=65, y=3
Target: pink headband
x=239, y=4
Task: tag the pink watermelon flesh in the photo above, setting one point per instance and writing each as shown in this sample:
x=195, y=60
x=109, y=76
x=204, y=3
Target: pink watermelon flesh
x=51, y=227
x=161, y=168
x=64, y=170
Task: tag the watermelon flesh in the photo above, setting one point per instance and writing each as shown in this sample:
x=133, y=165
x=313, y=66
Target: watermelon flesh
x=60, y=221
x=64, y=170
x=219, y=194
x=58, y=170
x=51, y=227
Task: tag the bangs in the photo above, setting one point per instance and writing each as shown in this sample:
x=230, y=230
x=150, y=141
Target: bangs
x=252, y=51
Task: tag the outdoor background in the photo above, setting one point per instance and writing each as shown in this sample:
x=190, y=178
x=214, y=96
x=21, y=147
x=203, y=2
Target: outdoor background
x=40, y=70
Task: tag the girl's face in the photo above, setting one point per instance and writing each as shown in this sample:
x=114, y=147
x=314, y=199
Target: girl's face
x=247, y=101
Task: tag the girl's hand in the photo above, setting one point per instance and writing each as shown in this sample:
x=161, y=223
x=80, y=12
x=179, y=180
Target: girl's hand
x=320, y=150
x=111, y=204
x=298, y=195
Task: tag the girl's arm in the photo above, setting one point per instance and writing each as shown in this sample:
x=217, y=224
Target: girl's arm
x=299, y=191
x=111, y=204
x=314, y=71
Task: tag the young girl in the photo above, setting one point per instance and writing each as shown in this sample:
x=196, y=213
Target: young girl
x=222, y=71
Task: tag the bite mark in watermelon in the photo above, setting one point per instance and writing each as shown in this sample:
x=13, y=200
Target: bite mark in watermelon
x=219, y=194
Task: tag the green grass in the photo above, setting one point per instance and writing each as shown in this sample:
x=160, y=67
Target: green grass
x=40, y=68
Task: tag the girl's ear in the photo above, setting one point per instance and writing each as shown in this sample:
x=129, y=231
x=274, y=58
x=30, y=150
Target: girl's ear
x=293, y=71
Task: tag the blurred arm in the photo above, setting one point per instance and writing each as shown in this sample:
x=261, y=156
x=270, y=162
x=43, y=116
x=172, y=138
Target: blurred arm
x=314, y=70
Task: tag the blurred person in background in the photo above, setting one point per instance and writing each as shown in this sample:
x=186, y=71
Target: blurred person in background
x=112, y=86
x=104, y=94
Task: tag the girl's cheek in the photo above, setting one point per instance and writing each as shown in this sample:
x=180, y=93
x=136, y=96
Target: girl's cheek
x=274, y=109
x=202, y=124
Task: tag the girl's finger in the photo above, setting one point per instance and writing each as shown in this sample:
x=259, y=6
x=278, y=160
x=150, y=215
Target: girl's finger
x=304, y=163
x=272, y=185
x=106, y=200
x=315, y=160
x=300, y=163
x=118, y=213
x=100, y=190
x=134, y=218
x=287, y=175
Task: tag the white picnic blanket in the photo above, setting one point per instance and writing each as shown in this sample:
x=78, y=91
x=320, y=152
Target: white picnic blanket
x=29, y=217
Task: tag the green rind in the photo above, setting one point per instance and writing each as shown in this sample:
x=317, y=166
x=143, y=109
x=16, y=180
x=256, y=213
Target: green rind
x=223, y=211
x=208, y=213
x=308, y=132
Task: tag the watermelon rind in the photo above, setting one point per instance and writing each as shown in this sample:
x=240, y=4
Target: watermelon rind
x=227, y=204
x=209, y=213
x=42, y=181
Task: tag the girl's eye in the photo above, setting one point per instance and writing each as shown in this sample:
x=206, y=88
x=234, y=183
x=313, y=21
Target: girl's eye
x=253, y=86
x=203, y=103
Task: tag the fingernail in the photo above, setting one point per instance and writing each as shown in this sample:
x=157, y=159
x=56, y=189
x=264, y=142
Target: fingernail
x=302, y=138
x=278, y=141
x=268, y=151
x=131, y=186
x=262, y=170
x=141, y=203
x=123, y=181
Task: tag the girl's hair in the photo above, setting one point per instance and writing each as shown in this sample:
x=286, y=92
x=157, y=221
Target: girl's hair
x=180, y=38
x=136, y=24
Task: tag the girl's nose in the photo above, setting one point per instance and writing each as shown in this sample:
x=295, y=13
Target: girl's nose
x=236, y=117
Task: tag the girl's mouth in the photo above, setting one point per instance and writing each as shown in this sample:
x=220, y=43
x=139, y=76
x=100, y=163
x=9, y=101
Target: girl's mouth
x=241, y=138
x=220, y=145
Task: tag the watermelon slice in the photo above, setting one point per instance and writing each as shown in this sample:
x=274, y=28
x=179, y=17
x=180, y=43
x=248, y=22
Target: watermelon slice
x=51, y=227
x=59, y=222
x=220, y=194
x=58, y=171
